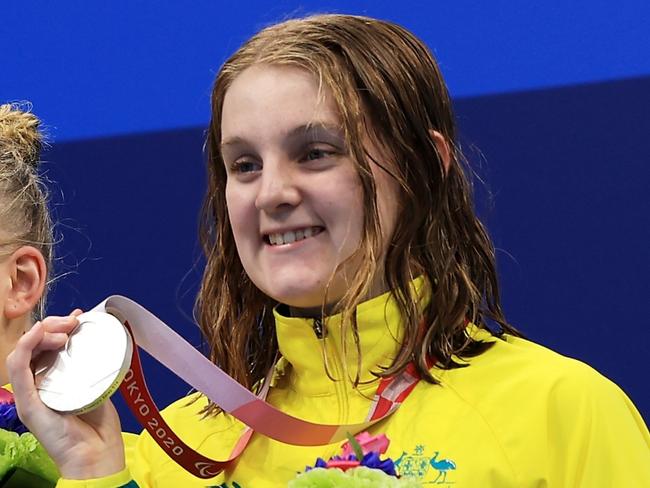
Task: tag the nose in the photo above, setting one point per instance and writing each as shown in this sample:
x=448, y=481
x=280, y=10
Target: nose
x=278, y=189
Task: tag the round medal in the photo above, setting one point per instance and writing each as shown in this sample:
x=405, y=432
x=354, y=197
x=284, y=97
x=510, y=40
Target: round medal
x=89, y=368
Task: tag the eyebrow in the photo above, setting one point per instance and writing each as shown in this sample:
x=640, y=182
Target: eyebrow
x=318, y=129
x=312, y=129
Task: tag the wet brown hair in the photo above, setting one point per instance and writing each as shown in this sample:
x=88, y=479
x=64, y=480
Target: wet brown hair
x=24, y=215
x=386, y=86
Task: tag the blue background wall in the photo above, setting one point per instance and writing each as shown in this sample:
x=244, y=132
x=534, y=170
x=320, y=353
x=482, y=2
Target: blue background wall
x=552, y=101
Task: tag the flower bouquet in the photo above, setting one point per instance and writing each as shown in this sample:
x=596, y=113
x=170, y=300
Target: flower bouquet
x=359, y=466
x=23, y=461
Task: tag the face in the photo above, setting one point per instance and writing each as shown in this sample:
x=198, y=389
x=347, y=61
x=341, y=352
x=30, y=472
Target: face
x=293, y=193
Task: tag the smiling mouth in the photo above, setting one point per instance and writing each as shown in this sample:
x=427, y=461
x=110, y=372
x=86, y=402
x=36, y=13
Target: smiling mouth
x=278, y=239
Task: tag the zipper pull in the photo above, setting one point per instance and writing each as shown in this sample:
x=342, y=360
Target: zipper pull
x=319, y=330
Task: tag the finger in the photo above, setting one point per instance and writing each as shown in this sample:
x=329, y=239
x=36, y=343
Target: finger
x=61, y=324
x=20, y=374
x=51, y=341
x=76, y=312
x=56, y=319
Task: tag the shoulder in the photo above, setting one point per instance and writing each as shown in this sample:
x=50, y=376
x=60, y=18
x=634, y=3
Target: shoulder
x=542, y=406
x=517, y=382
x=186, y=417
x=185, y=409
x=525, y=369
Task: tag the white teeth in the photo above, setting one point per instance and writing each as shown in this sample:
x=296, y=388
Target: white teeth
x=291, y=236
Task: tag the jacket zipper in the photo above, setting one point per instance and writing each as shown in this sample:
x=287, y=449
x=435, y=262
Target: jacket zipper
x=319, y=330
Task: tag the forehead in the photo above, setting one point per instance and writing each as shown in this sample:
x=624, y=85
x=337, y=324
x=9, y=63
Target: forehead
x=267, y=99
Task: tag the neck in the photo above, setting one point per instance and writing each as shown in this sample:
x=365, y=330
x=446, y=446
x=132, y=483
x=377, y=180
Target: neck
x=10, y=332
x=320, y=311
x=313, y=313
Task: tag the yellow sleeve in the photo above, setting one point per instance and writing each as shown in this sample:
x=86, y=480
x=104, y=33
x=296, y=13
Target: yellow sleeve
x=114, y=481
x=598, y=436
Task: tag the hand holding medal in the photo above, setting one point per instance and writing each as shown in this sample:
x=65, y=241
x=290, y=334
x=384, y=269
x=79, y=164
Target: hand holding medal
x=84, y=446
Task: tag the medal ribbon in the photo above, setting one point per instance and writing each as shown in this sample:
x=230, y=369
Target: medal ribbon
x=176, y=354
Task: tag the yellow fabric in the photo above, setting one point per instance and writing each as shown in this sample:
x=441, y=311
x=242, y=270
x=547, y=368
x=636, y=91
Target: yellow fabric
x=117, y=479
x=518, y=416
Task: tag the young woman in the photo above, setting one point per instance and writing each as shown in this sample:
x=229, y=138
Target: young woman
x=25, y=228
x=339, y=232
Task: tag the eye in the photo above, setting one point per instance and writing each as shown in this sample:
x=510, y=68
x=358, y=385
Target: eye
x=314, y=154
x=245, y=166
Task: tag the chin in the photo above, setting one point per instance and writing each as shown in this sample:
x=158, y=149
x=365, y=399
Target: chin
x=297, y=298
x=293, y=286
x=301, y=286
x=306, y=298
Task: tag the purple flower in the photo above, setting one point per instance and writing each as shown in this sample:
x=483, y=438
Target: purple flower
x=9, y=419
x=371, y=460
x=320, y=463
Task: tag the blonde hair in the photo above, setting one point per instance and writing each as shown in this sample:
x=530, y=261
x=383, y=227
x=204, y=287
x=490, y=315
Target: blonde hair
x=24, y=215
x=386, y=85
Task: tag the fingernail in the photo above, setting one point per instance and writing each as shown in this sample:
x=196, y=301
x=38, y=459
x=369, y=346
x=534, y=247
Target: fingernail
x=35, y=328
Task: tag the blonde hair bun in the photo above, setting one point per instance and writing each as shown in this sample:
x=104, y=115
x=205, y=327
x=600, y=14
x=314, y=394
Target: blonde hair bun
x=24, y=214
x=20, y=137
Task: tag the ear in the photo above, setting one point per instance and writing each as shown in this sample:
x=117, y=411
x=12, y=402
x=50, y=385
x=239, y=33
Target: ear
x=443, y=148
x=28, y=274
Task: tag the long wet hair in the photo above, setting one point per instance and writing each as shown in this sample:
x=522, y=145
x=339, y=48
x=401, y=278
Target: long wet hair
x=386, y=86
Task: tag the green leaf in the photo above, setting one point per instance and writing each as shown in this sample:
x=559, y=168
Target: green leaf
x=358, y=452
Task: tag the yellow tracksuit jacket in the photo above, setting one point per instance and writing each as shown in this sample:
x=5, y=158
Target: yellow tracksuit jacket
x=518, y=416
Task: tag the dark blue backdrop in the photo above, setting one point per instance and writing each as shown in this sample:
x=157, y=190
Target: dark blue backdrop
x=554, y=97
x=568, y=213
